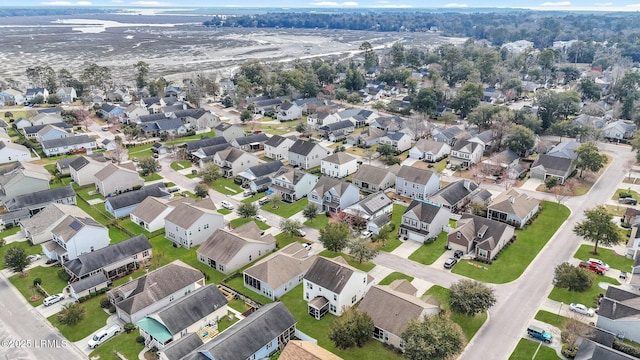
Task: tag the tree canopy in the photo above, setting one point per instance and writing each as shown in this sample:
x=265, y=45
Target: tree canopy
x=471, y=297
x=598, y=228
x=335, y=236
x=589, y=158
x=434, y=337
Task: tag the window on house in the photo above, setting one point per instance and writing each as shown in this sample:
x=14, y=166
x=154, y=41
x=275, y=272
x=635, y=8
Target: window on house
x=309, y=286
x=353, y=299
x=145, y=253
x=170, y=297
x=335, y=297
x=332, y=308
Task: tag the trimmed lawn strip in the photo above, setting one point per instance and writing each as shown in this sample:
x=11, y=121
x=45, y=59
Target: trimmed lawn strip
x=9, y=231
x=319, y=329
x=123, y=343
x=587, y=298
x=469, y=324
x=131, y=227
x=320, y=222
x=286, y=210
x=152, y=177
x=238, y=305
x=29, y=249
x=51, y=282
x=180, y=165
x=225, y=322
x=428, y=253
x=241, y=221
x=391, y=244
x=116, y=235
x=255, y=197
x=283, y=240
x=610, y=257
x=226, y=186
x=365, y=266
x=551, y=318
x=95, y=318
x=526, y=348
x=633, y=194
x=224, y=211
x=396, y=217
x=515, y=258
x=88, y=193
x=395, y=276
x=94, y=212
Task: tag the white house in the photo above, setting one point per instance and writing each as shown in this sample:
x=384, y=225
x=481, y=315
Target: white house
x=332, y=285
x=429, y=150
x=399, y=141
x=75, y=236
x=333, y=195
x=339, y=165
x=11, y=152
x=277, y=147
x=423, y=221
x=292, y=184
x=66, y=145
x=228, y=131
x=321, y=118
x=67, y=94
x=375, y=209
x=466, y=153
x=113, y=180
x=289, y=111
x=416, y=183
x=37, y=229
x=191, y=224
x=307, y=154
x=83, y=169
x=151, y=212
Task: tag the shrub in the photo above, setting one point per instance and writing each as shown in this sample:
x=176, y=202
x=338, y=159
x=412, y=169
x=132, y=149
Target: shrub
x=37, y=281
x=105, y=303
x=63, y=275
x=569, y=351
x=129, y=327
x=112, y=309
x=626, y=348
x=140, y=339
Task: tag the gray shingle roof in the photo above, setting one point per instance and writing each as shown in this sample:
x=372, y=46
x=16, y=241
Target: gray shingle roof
x=415, y=175
x=454, y=192
x=265, y=169
x=344, y=124
x=275, y=140
x=192, y=308
x=39, y=197
x=135, y=197
x=222, y=246
x=339, y=158
x=195, y=145
x=68, y=141
x=71, y=225
x=151, y=117
x=30, y=130
x=176, y=350
x=302, y=147
x=553, y=165
x=89, y=282
x=329, y=274
x=371, y=174
x=424, y=211
x=250, y=139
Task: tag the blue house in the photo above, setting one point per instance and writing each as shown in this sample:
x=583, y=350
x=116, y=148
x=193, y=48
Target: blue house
x=122, y=205
x=109, y=110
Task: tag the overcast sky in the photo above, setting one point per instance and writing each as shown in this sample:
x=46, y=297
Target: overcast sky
x=600, y=5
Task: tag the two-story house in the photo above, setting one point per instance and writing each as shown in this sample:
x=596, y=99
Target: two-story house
x=227, y=251
x=339, y=165
x=416, y=183
x=232, y=161
x=37, y=229
x=332, y=286
x=292, y=184
x=69, y=144
x=456, y=195
x=50, y=132
x=513, y=208
x=32, y=93
x=113, y=180
x=288, y=112
x=228, y=131
x=619, y=130
x=619, y=312
x=75, y=236
x=150, y=213
x=429, y=150
x=423, y=221
x=22, y=178
x=333, y=195
x=466, y=153
x=84, y=168
x=38, y=200
x=190, y=224
x=321, y=118
x=481, y=237
x=151, y=292
x=371, y=178
x=277, y=147
x=399, y=141
x=375, y=209
x=258, y=177
x=253, y=142
x=306, y=154
x=67, y=94
x=11, y=152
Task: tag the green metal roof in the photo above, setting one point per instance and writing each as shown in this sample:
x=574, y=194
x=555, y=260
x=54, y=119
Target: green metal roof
x=155, y=329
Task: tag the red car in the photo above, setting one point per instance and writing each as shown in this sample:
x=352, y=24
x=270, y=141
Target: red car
x=600, y=270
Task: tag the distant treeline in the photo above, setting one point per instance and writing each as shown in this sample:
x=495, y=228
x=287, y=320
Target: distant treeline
x=44, y=11
x=542, y=28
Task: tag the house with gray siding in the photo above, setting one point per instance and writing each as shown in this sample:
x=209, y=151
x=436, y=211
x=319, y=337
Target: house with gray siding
x=68, y=144
x=122, y=205
x=113, y=180
x=333, y=195
x=38, y=200
x=292, y=184
x=416, y=183
x=22, y=178
x=619, y=313
x=75, y=236
x=232, y=161
x=84, y=168
x=423, y=221
x=277, y=147
x=37, y=229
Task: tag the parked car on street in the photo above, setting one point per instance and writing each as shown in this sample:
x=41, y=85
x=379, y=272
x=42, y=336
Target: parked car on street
x=581, y=309
x=448, y=264
x=247, y=193
x=227, y=205
x=301, y=233
x=53, y=299
x=600, y=270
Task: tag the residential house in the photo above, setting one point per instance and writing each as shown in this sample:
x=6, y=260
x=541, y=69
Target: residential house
x=51, y=132
x=32, y=131
x=484, y=138
x=197, y=312
x=190, y=224
x=88, y=286
x=366, y=138
x=37, y=229
x=198, y=119
x=306, y=350
x=151, y=212
x=424, y=221
x=84, y=168
x=258, y=177
x=113, y=261
x=336, y=131
x=169, y=127
x=466, y=153
x=159, y=148
x=513, y=208
x=456, y=195
x=280, y=272
x=505, y=163
x=22, y=178
x=429, y=150
x=229, y=131
x=22, y=123
x=635, y=274
x=108, y=111
x=133, y=112
x=204, y=155
x=332, y=285
x=619, y=313
x=333, y=195
x=565, y=149
x=12, y=97
x=254, y=142
x=81, y=143
x=292, y=184
x=359, y=117
x=151, y=292
x=177, y=350
x=388, y=123
x=75, y=236
x=32, y=93
x=311, y=105
x=449, y=135
x=38, y=200
x=339, y=165
x=288, y=112
x=46, y=118
x=392, y=307
x=227, y=86
x=321, y=118
x=256, y=337
x=233, y=161
x=227, y=251
x=399, y=141
x=277, y=147
x=11, y=152
x=202, y=143
x=371, y=178
x=375, y=209
x=143, y=119
x=62, y=164
x=546, y=165
x=584, y=120
x=619, y=130
x=306, y=154
x=592, y=350
x=633, y=243
x=416, y=183
x=112, y=180
x=67, y=95
x=121, y=205
x=267, y=107
x=482, y=237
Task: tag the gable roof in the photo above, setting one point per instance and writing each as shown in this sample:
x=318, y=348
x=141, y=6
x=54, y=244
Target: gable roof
x=40, y=197
x=306, y=350
x=204, y=142
x=330, y=274
x=49, y=215
x=373, y=174
x=222, y=246
x=81, y=161
x=68, y=141
x=110, y=170
x=30, y=130
x=135, y=197
x=504, y=157
x=151, y=207
x=374, y=203
x=137, y=294
x=71, y=225
x=339, y=158
x=12, y=174
x=230, y=154
x=430, y=146
x=291, y=175
x=185, y=214
x=89, y=282
x=424, y=211
x=454, y=192
x=264, y=169
x=250, y=139
x=281, y=267
x=394, y=136
x=565, y=149
x=470, y=226
x=303, y=147
x=620, y=304
x=96, y=260
x=344, y=124
x=512, y=202
x=553, y=165
x=176, y=350
x=249, y=335
x=415, y=175
x=276, y=140
x=465, y=146
x=163, y=124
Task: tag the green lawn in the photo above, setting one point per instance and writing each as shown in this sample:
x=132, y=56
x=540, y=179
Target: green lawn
x=286, y=210
x=551, y=318
x=469, y=324
x=89, y=193
x=320, y=222
x=141, y=151
x=30, y=250
x=226, y=186
x=237, y=284
x=10, y=231
x=587, y=298
x=396, y=217
x=116, y=235
x=123, y=343
x=633, y=194
x=365, y=266
x=319, y=329
x=428, y=253
x=95, y=318
x=255, y=197
x=238, y=305
x=612, y=259
x=512, y=262
x=50, y=282
x=526, y=348
x=283, y=240
x=181, y=165
x=241, y=221
x=225, y=322
x=152, y=177
x=224, y=211
x=130, y=226
x=185, y=139
x=395, y=276
x=97, y=215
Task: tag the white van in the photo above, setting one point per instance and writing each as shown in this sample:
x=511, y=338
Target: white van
x=103, y=335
